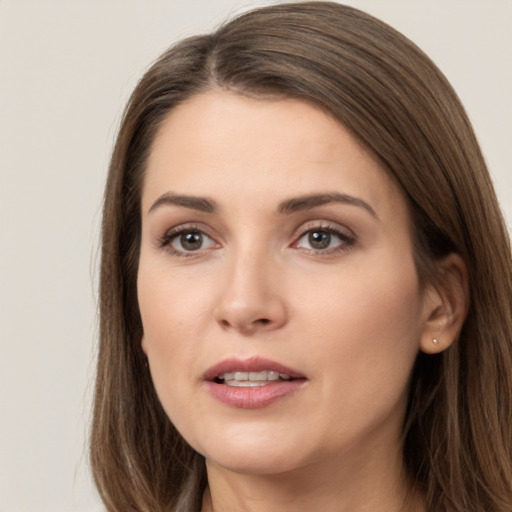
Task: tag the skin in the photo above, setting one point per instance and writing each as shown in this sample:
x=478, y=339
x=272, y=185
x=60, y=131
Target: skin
x=351, y=318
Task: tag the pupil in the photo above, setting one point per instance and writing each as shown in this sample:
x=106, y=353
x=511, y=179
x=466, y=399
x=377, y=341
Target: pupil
x=191, y=241
x=319, y=239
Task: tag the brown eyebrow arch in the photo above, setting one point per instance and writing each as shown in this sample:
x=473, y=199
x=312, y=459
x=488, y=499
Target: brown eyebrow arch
x=202, y=204
x=311, y=201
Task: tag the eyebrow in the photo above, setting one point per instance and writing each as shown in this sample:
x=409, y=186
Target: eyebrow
x=288, y=206
x=311, y=201
x=201, y=204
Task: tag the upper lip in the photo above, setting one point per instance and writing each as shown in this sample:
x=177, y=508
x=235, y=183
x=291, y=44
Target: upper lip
x=252, y=364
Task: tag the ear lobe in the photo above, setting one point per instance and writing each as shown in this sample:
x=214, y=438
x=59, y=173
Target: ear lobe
x=446, y=305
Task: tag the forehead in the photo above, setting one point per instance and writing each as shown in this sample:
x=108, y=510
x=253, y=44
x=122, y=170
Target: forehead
x=256, y=150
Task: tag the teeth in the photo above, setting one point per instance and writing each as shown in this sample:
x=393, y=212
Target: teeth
x=255, y=376
x=246, y=383
x=251, y=379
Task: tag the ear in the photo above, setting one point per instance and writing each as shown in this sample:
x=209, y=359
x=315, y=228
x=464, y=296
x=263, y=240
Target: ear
x=446, y=305
x=143, y=344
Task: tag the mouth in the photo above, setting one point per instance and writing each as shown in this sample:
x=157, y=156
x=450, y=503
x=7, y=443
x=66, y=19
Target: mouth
x=242, y=379
x=252, y=383
x=258, y=370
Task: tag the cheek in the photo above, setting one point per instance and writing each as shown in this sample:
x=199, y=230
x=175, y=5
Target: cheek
x=172, y=316
x=367, y=326
x=170, y=305
x=388, y=308
x=366, y=343
x=381, y=292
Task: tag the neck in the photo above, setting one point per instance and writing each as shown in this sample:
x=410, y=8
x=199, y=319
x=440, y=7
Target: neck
x=331, y=486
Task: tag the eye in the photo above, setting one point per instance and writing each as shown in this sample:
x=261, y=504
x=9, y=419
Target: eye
x=324, y=239
x=183, y=241
x=191, y=241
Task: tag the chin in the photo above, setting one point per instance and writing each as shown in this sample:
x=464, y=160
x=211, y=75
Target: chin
x=255, y=465
x=255, y=456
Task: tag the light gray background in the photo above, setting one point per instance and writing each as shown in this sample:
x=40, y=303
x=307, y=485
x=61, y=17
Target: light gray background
x=67, y=68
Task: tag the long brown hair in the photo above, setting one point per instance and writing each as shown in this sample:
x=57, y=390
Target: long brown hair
x=458, y=429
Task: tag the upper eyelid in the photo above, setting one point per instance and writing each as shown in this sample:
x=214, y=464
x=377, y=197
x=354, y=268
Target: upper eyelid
x=303, y=227
x=323, y=225
x=187, y=226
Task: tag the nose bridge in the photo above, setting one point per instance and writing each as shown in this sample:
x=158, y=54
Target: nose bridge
x=250, y=297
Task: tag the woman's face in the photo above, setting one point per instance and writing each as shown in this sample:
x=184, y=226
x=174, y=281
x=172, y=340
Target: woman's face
x=280, y=302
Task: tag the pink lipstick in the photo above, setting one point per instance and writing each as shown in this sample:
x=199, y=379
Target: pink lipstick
x=252, y=383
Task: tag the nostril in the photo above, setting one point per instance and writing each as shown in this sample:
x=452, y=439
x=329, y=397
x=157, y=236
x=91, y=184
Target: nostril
x=247, y=327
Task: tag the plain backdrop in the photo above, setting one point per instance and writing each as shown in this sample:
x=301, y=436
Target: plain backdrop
x=66, y=71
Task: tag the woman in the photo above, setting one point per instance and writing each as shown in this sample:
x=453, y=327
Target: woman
x=305, y=281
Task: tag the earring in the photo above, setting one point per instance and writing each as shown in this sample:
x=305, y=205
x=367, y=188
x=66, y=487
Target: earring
x=435, y=341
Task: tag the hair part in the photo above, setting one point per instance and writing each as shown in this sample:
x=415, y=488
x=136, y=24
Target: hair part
x=458, y=430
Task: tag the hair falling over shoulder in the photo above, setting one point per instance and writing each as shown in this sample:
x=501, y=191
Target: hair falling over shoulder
x=458, y=429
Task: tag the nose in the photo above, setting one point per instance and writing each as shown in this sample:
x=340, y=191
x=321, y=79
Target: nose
x=251, y=299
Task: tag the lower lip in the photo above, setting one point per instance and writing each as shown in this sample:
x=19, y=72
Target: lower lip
x=254, y=397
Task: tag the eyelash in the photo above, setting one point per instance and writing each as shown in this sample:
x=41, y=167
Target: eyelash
x=347, y=241
x=166, y=241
